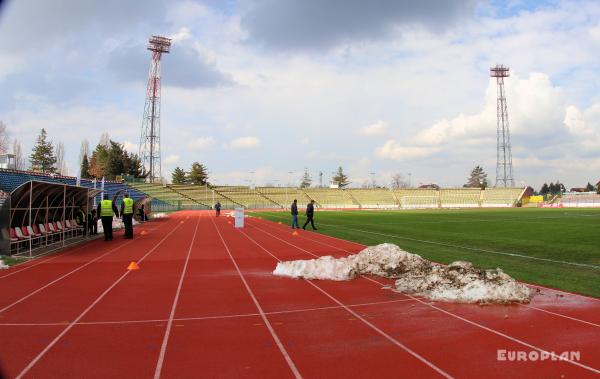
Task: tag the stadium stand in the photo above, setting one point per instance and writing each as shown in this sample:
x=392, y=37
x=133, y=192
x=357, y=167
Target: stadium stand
x=581, y=200
x=330, y=197
x=203, y=195
x=417, y=197
x=373, y=198
x=460, y=198
x=500, y=197
x=246, y=196
x=283, y=196
x=169, y=197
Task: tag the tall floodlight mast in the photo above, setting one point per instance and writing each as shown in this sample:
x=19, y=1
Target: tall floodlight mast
x=504, y=167
x=150, y=137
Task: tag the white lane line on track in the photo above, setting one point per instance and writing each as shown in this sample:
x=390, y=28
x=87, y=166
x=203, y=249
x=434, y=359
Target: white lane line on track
x=200, y=318
x=555, y=356
x=465, y=247
x=528, y=306
x=551, y=354
x=561, y=315
x=163, y=348
x=284, y=352
x=366, y=322
x=63, y=276
x=74, y=322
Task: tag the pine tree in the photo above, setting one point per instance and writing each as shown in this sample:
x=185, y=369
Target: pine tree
x=198, y=174
x=545, y=189
x=85, y=167
x=341, y=179
x=478, y=179
x=42, y=156
x=178, y=176
x=306, y=179
x=115, y=165
x=135, y=167
x=590, y=187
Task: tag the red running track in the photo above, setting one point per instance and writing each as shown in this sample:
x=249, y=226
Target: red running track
x=204, y=304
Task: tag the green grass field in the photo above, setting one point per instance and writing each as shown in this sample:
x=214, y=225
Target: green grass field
x=559, y=248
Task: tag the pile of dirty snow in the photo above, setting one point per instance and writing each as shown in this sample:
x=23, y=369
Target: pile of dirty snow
x=2, y=265
x=459, y=281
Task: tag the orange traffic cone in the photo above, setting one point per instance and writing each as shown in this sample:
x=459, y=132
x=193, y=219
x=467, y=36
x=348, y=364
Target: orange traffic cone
x=143, y=232
x=181, y=222
x=229, y=222
x=295, y=233
x=133, y=266
x=279, y=222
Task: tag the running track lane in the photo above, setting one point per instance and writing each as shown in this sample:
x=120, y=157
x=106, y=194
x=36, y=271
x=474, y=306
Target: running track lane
x=527, y=325
x=143, y=294
x=219, y=347
x=318, y=341
x=65, y=300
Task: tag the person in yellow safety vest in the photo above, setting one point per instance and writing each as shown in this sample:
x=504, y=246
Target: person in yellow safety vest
x=106, y=210
x=127, y=215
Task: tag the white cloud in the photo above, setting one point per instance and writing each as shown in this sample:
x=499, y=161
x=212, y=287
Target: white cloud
x=203, y=143
x=172, y=159
x=394, y=151
x=245, y=143
x=131, y=147
x=376, y=129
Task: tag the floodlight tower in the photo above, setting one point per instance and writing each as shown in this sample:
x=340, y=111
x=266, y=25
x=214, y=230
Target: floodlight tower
x=150, y=137
x=504, y=168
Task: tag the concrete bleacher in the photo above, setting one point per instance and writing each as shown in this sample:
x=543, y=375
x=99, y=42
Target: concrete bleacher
x=500, y=197
x=460, y=197
x=373, y=197
x=283, y=196
x=204, y=195
x=330, y=197
x=246, y=196
x=580, y=200
x=168, y=197
x=417, y=197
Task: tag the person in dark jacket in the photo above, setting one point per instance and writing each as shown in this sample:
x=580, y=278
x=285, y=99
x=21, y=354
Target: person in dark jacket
x=218, y=208
x=310, y=211
x=107, y=209
x=81, y=219
x=294, y=210
x=92, y=222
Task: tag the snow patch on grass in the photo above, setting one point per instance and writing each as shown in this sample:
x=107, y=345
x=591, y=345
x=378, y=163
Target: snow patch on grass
x=2, y=265
x=456, y=282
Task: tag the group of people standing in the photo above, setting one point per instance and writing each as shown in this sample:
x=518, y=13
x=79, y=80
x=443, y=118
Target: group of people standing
x=105, y=212
x=310, y=212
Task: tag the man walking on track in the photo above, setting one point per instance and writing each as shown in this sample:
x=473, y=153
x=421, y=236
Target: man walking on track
x=127, y=215
x=310, y=211
x=218, y=208
x=295, y=215
x=106, y=210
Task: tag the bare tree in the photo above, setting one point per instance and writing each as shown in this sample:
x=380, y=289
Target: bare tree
x=398, y=181
x=18, y=152
x=84, y=151
x=104, y=140
x=60, y=157
x=3, y=138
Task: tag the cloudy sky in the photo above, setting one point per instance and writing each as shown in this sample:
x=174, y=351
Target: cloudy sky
x=256, y=89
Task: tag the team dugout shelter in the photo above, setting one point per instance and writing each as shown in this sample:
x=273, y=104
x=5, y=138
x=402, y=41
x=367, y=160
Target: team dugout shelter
x=38, y=217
